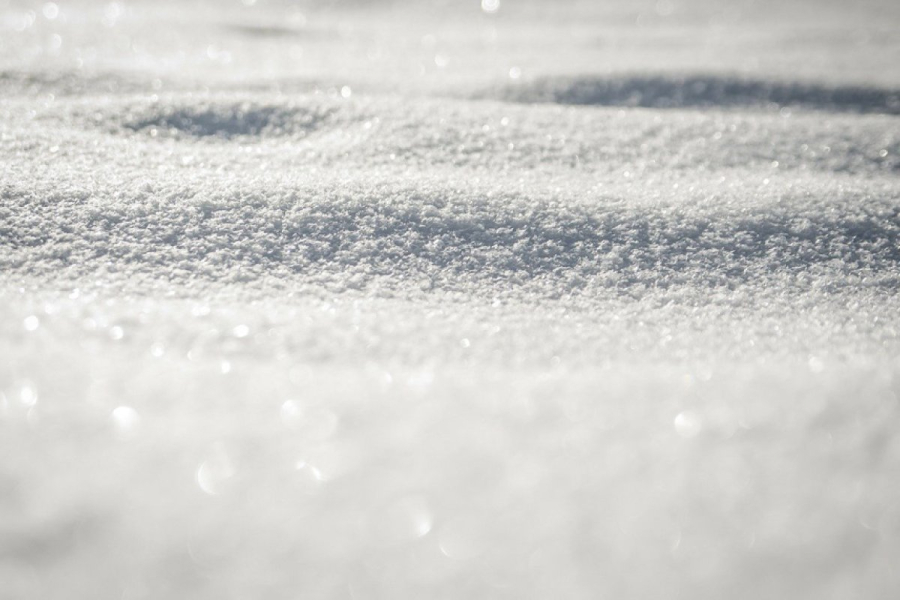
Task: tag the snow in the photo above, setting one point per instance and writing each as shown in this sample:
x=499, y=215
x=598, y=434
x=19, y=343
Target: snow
x=487, y=299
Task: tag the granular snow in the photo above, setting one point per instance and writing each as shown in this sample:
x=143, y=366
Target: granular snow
x=389, y=300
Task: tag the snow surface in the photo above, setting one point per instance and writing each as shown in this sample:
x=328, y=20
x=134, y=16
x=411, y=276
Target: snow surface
x=449, y=299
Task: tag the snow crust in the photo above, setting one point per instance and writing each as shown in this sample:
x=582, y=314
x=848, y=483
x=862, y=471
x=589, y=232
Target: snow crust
x=381, y=300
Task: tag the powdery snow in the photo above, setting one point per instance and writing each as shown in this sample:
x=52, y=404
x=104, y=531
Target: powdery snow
x=495, y=300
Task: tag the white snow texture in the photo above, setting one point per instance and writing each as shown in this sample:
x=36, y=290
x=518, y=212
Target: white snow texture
x=449, y=299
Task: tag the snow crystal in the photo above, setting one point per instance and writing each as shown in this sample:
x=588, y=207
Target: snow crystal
x=688, y=424
x=126, y=421
x=31, y=323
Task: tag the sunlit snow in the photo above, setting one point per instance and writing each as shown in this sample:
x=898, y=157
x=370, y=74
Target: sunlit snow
x=449, y=299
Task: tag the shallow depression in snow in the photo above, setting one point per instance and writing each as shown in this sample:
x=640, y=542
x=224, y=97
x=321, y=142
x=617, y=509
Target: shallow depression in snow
x=230, y=121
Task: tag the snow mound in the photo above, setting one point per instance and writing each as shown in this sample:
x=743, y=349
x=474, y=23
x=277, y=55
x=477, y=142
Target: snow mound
x=376, y=132
x=408, y=233
x=666, y=91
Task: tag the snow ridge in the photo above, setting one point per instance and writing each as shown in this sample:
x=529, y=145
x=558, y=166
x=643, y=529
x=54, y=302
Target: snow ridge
x=409, y=233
